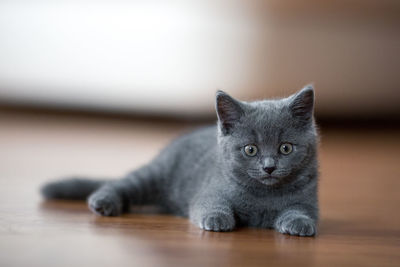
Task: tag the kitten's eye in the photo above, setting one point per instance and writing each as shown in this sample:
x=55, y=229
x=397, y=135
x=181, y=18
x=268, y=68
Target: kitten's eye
x=286, y=148
x=250, y=150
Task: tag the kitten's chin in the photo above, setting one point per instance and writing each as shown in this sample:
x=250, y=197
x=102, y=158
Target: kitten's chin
x=268, y=180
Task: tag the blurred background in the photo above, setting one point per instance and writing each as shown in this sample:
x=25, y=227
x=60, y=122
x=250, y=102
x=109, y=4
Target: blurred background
x=167, y=58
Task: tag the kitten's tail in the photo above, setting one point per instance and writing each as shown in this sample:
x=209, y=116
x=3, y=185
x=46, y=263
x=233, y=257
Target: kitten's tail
x=73, y=188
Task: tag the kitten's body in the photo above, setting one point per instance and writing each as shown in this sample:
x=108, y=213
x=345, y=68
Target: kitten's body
x=206, y=176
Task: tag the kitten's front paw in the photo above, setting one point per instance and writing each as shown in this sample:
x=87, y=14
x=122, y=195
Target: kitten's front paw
x=218, y=222
x=105, y=204
x=301, y=226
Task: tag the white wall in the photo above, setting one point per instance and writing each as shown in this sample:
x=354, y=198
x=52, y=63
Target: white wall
x=170, y=56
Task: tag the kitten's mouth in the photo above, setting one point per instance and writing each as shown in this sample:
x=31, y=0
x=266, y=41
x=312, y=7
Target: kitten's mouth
x=265, y=178
x=268, y=177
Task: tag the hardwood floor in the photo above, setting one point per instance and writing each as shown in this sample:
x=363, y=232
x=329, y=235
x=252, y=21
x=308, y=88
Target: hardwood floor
x=359, y=201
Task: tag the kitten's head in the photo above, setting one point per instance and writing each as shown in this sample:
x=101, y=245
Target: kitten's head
x=267, y=141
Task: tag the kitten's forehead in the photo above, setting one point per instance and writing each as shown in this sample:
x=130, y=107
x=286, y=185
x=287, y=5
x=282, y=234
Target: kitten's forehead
x=268, y=119
x=268, y=106
x=270, y=114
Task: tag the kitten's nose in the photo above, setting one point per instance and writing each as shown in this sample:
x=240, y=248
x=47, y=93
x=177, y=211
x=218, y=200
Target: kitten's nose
x=269, y=170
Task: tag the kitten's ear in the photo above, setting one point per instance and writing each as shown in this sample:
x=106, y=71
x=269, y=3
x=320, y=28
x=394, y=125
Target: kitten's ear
x=229, y=111
x=302, y=104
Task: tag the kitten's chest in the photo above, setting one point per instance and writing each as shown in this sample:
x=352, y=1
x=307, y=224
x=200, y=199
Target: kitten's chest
x=258, y=212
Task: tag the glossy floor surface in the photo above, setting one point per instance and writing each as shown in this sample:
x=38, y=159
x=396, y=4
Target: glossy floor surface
x=359, y=201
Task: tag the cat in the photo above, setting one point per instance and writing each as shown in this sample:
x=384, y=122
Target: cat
x=256, y=167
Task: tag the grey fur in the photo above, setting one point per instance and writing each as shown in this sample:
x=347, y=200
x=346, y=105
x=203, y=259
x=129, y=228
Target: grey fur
x=207, y=176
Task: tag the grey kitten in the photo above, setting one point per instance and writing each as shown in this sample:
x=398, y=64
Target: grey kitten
x=257, y=167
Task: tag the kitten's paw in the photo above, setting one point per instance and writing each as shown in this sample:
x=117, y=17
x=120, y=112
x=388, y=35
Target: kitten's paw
x=301, y=226
x=218, y=222
x=105, y=204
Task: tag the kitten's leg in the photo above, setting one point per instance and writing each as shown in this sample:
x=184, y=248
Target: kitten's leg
x=142, y=186
x=297, y=220
x=212, y=214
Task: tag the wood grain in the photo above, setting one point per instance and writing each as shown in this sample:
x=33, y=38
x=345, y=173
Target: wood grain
x=359, y=199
